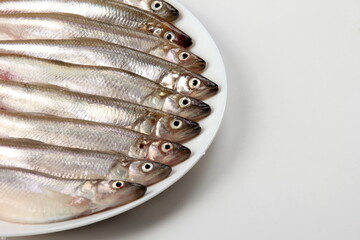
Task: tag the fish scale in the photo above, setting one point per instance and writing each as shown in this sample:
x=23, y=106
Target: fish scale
x=27, y=197
x=77, y=163
x=99, y=53
x=23, y=97
x=107, y=12
x=20, y=176
x=90, y=135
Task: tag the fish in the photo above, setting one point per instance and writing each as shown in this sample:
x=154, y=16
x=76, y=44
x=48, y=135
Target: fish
x=51, y=100
x=99, y=53
x=72, y=163
x=158, y=7
x=32, y=198
x=110, y=12
x=102, y=81
x=81, y=134
x=67, y=26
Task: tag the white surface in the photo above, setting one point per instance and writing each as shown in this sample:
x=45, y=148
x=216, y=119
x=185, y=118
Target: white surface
x=198, y=145
x=286, y=162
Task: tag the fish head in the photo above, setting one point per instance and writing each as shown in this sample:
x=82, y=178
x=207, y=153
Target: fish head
x=112, y=193
x=168, y=153
x=189, y=83
x=175, y=128
x=179, y=55
x=196, y=86
x=174, y=103
x=168, y=31
x=190, y=61
x=145, y=172
x=158, y=150
x=163, y=9
x=186, y=107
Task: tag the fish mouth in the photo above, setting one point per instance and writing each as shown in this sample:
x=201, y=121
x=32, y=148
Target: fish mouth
x=180, y=154
x=172, y=13
x=213, y=89
x=163, y=173
x=198, y=110
x=183, y=40
x=190, y=132
x=131, y=192
x=139, y=191
x=166, y=172
x=210, y=89
x=203, y=110
x=198, y=66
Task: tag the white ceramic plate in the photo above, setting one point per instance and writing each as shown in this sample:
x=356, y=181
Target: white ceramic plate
x=205, y=47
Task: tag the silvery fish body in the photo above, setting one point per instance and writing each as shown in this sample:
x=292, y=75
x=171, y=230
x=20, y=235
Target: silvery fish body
x=103, y=11
x=27, y=197
x=68, y=26
x=99, y=53
x=161, y=8
x=24, y=97
x=72, y=163
x=90, y=135
x=107, y=82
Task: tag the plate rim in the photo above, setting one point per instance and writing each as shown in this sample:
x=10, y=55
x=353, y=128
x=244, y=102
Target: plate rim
x=88, y=220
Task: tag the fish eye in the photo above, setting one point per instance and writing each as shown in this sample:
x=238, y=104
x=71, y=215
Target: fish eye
x=166, y=147
x=184, y=56
x=156, y=5
x=184, y=102
x=147, y=167
x=118, y=185
x=169, y=36
x=176, y=124
x=194, y=83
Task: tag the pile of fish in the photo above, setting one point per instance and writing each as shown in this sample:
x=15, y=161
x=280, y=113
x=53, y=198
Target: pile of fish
x=97, y=98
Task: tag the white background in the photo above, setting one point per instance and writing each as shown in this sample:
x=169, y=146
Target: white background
x=286, y=161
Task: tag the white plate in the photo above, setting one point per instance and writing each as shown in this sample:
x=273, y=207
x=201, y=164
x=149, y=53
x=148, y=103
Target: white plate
x=205, y=47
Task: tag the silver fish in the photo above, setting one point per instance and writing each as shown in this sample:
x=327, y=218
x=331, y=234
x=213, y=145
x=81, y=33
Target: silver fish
x=103, y=11
x=99, y=53
x=71, y=163
x=31, y=198
x=161, y=8
x=107, y=82
x=24, y=97
x=90, y=135
x=68, y=26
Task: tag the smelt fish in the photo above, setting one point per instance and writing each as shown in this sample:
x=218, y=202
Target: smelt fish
x=99, y=53
x=67, y=26
x=110, y=12
x=33, y=98
x=102, y=81
x=72, y=163
x=90, y=135
x=31, y=198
